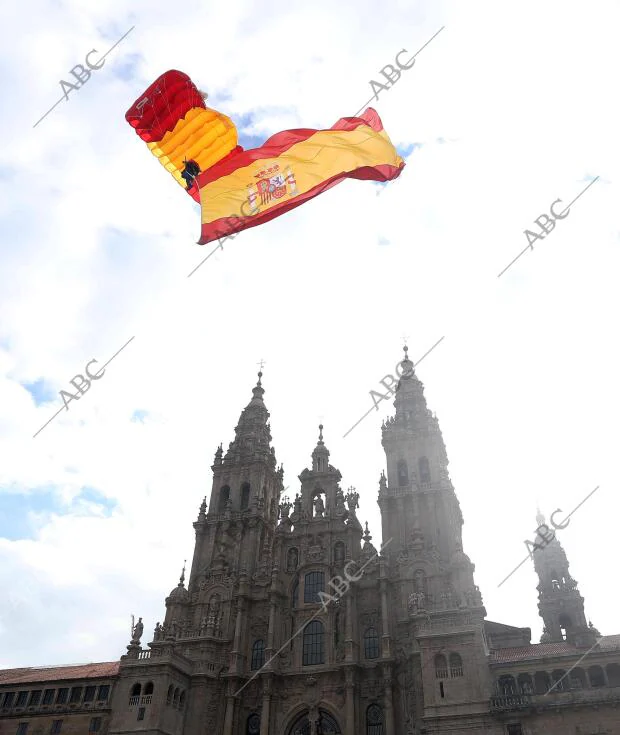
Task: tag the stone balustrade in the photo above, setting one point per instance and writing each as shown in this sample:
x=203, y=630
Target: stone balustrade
x=506, y=702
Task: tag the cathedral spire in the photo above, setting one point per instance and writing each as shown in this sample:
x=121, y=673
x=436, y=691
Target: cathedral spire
x=252, y=433
x=243, y=506
x=559, y=603
x=320, y=455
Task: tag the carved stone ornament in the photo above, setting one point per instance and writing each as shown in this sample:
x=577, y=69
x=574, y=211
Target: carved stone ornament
x=315, y=554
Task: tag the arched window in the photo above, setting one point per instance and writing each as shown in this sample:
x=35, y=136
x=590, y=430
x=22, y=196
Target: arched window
x=456, y=665
x=542, y=682
x=223, y=501
x=313, y=584
x=258, y=655
x=403, y=473
x=613, y=675
x=441, y=666
x=559, y=680
x=245, y=495
x=371, y=643
x=170, y=693
x=419, y=582
x=577, y=678
x=596, y=676
x=506, y=685
x=565, y=625
x=524, y=681
x=374, y=720
x=295, y=594
x=148, y=689
x=292, y=560
x=253, y=727
x=313, y=643
x=175, y=699
x=339, y=552
x=424, y=469
x=136, y=690
x=182, y=700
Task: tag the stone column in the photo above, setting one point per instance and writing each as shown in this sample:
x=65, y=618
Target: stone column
x=348, y=624
x=273, y=609
x=389, y=707
x=236, y=656
x=402, y=531
x=264, y=715
x=230, y=713
x=349, y=725
x=385, y=620
x=313, y=717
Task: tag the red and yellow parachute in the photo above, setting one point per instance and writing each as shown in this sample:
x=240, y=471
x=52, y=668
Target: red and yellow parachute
x=173, y=120
x=238, y=189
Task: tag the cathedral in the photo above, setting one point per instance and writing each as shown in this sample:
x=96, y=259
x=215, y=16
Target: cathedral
x=291, y=622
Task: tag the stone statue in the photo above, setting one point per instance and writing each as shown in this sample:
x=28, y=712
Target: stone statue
x=292, y=560
x=285, y=508
x=136, y=631
x=340, y=507
x=352, y=498
x=319, y=507
x=159, y=632
x=412, y=602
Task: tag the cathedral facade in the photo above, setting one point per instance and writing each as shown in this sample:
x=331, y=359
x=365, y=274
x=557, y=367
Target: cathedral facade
x=291, y=622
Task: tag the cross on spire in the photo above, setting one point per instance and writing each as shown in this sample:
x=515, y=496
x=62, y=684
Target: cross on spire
x=261, y=363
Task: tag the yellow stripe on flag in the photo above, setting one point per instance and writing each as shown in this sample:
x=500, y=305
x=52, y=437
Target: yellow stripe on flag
x=325, y=154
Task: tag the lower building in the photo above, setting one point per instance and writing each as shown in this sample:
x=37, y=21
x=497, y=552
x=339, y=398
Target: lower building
x=52, y=700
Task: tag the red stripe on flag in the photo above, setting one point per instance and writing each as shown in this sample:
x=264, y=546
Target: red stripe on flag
x=281, y=142
x=226, y=226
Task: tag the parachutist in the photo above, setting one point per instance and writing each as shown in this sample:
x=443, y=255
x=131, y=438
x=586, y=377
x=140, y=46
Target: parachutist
x=189, y=173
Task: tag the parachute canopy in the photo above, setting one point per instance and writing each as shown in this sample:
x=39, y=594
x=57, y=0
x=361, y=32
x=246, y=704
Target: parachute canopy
x=173, y=120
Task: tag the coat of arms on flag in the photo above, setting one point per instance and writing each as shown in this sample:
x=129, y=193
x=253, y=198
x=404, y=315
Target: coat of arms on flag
x=271, y=185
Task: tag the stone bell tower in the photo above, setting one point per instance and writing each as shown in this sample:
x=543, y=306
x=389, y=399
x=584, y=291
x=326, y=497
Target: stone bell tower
x=419, y=508
x=559, y=603
x=438, y=608
x=237, y=531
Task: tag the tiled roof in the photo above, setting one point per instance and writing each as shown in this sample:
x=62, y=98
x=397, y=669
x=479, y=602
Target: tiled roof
x=610, y=641
x=58, y=673
x=534, y=650
x=541, y=650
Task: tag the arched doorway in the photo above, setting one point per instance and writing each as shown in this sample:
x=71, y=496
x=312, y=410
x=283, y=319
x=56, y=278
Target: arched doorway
x=326, y=725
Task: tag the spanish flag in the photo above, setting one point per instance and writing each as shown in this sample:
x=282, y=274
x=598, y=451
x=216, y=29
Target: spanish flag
x=248, y=188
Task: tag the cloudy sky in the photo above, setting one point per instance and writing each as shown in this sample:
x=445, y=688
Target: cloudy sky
x=511, y=107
